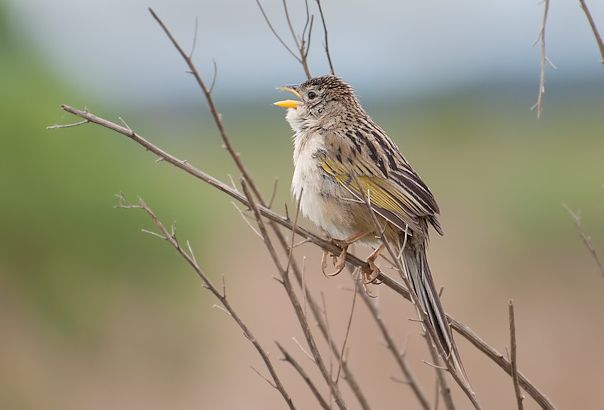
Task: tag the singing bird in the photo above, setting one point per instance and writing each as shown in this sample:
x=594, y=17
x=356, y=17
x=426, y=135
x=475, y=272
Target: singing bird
x=343, y=162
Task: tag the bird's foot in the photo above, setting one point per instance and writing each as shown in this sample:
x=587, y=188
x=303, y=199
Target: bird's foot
x=372, y=272
x=339, y=261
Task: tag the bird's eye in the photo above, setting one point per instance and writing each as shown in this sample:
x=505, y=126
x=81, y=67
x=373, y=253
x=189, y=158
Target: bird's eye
x=312, y=95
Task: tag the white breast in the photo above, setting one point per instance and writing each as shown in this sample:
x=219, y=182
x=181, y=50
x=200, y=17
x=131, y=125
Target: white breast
x=317, y=193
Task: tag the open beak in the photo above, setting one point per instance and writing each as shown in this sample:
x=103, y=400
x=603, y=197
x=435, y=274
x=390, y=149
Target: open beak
x=289, y=103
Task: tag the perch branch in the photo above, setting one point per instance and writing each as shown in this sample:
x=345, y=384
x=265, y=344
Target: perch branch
x=316, y=354
x=323, y=243
x=461, y=380
x=238, y=162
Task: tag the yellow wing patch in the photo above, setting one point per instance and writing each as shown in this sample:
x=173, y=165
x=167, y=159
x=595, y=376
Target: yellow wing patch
x=383, y=194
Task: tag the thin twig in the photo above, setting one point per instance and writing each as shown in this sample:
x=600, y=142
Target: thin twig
x=270, y=26
x=290, y=24
x=194, y=37
x=592, y=24
x=237, y=159
x=212, y=107
x=517, y=391
x=293, y=236
x=302, y=44
x=441, y=381
x=273, y=193
x=323, y=243
x=538, y=106
x=59, y=126
x=325, y=38
x=460, y=379
x=290, y=359
x=214, y=76
x=221, y=296
x=330, y=339
x=263, y=377
x=398, y=356
x=294, y=301
x=349, y=325
x=586, y=238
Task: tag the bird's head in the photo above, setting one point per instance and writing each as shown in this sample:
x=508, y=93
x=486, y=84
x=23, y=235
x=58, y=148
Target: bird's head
x=319, y=99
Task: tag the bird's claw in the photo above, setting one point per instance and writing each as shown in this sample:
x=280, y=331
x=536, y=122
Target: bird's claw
x=371, y=273
x=339, y=261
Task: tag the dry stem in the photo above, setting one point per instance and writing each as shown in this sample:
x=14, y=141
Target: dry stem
x=170, y=237
x=594, y=29
x=323, y=243
x=586, y=238
x=543, y=61
x=517, y=392
x=290, y=359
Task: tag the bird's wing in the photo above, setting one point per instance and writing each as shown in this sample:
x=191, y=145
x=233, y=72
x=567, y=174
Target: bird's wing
x=373, y=168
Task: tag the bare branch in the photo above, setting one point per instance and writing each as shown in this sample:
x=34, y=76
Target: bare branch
x=441, y=381
x=263, y=377
x=167, y=235
x=592, y=24
x=212, y=107
x=273, y=193
x=301, y=44
x=460, y=378
x=325, y=38
x=323, y=243
x=236, y=158
x=294, y=301
x=195, y=38
x=349, y=325
x=270, y=26
x=538, y=106
x=214, y=76
x=398, y=357
x=290, y=359
x=289, y=24
x=586, y=238
x=75, y=124
x=519, y=396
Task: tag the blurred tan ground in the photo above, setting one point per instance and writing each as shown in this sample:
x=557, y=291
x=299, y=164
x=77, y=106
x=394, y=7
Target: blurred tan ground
x=151, y=355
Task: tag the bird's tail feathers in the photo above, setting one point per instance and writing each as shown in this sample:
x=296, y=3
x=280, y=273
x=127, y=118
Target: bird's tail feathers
x=428, y=299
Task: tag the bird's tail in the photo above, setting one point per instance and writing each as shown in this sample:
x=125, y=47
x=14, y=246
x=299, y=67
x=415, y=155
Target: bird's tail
x=420, y=279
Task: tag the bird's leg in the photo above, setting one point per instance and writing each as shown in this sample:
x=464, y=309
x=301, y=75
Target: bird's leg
x=339, y=261
x=371, y=273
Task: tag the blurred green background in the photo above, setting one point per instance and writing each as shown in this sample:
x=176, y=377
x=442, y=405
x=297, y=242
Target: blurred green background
x=96, y=314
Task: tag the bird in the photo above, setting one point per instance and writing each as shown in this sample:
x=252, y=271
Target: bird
x=347, y=168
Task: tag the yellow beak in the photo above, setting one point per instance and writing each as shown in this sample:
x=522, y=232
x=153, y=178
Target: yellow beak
x=289, y=103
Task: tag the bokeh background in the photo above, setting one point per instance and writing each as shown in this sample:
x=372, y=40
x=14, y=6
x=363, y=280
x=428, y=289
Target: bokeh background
x=95, y=315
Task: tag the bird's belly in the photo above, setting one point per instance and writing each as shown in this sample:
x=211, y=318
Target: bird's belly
x=325, y=202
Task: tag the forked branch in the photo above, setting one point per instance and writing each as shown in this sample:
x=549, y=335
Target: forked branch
x=323, y=243
x=189, y=256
